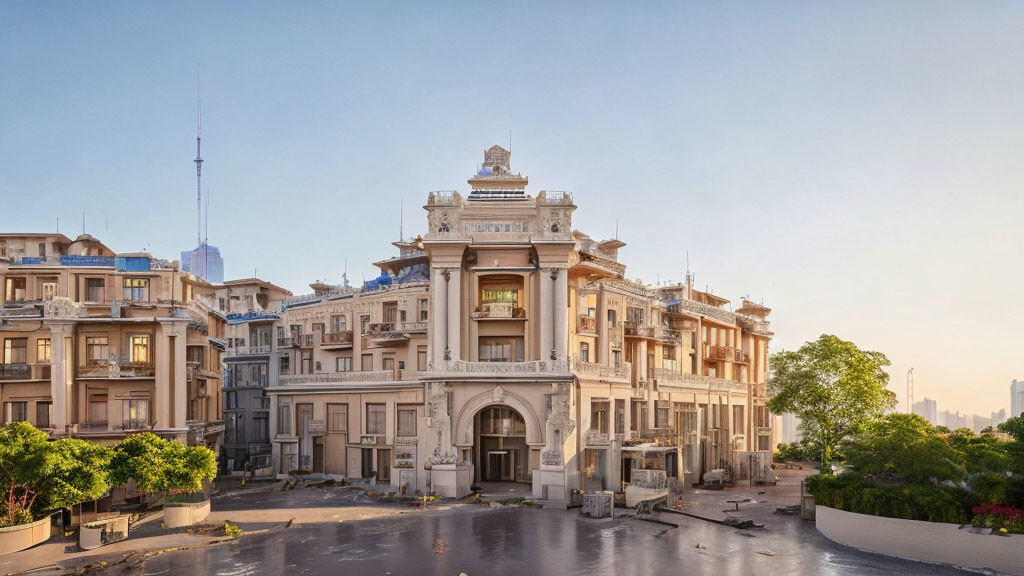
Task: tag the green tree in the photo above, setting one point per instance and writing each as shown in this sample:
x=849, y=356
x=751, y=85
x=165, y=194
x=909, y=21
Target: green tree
x=159, y=465
x=981, y=453
x=833, y=386
x=905, y=448
x=39, y=476
x=1015, y=427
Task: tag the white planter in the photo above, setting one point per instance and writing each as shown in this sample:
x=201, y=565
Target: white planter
x=15, y=538
x=177, y=515
x=926, y=541
x=101, y=532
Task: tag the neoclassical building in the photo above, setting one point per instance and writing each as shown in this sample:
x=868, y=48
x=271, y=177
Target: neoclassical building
x=537, y=361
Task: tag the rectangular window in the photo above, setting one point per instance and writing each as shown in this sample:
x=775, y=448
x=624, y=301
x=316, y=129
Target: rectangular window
x=260, y=427
x=421, y=359
x=620, y=416
x=49, y=290
x=507, y=349
x=599, y=415
x=406, y=421
x=136, y=413
x=668, y=353
x=15, y=412
x=42, y=249
x=584, y=352
x=42, y=414
x=376, y=420
x=344, y=364
x=15, y=289
x=364, y=324
x=617, y=358
x=384, y=465
x=611, y=318
x=421, y=310
x=16, y=351
x=285, y=364
x=136, y=289
x=366, y=362
x=387, y=363
x=43, y=350
x=337, y=417
x=97, y=351
x=98, y=407
x=231, y=400
x=391, y=312
x=284, y=419
x=661, y=415
x=94, y=290
x=737, y=420
x=339, y=323
x=140, y=349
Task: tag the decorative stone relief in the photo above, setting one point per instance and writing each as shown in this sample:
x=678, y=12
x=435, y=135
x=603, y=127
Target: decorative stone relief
x=439, y=411
x=558, y=426
x=61, y=307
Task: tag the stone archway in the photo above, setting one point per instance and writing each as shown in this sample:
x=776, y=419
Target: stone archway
x=463, y=430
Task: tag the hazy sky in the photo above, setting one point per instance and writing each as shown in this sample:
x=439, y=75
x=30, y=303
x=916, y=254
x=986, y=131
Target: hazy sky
x=858, y=168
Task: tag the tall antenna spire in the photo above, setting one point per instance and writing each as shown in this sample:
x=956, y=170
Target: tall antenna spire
x=401, y=220
x=199, y=164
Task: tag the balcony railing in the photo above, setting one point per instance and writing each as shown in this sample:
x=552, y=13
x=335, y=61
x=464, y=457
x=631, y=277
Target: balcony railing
x=114, y=369
x=134, y=424
x=586, y=324
x=634, y=329
x=726, y=353
x=339, y=377
x=341, y=338
x=382, y=328
x=250, y=350
x=701, y=309
x=600, y=370
x=499, y=310
x=667, y=334
x=597, y=438
x=15, y=372
x=285, y=342
x=531, y=367
x=698, y=380
x=414, y=326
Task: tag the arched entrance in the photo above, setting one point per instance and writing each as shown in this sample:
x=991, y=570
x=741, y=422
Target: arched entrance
x=499, y=444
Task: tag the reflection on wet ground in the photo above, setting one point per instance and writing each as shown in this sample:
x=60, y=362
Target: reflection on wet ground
x=522, y=541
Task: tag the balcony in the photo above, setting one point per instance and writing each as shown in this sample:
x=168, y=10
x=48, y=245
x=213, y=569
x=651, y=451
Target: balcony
x=726, y=353
x=286, y=342
x=341, y=339
x=413, y=327
x=621, y=372
x=668, y=335
x=251, y=350
x=684, y=306
x=586, y=324
x=15, y=372
x=597, y=438
x=134, y=424
x=499, y=311
x=378, y=328
x=634, y=330
x=666, y=378
x=500, y=368
x=339, y=377
x=108, y=369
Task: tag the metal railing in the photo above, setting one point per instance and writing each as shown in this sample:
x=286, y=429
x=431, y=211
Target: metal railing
x=15, y=372
x=557, y=197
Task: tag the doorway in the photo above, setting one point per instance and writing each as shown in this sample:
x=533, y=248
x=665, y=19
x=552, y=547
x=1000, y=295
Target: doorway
x=500, y=445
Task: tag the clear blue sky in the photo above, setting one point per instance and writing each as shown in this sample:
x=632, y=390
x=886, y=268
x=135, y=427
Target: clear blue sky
x=857, y=167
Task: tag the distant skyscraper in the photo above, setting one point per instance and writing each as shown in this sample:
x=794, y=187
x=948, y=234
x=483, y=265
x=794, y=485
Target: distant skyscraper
x=205, y=261
x=928, y=410
x=999, y=417
x=1017, y=398
x=952, y=420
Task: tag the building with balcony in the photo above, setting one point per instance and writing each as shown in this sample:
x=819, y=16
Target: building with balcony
x=251, y=366
x=98, y=344
x=505, y=346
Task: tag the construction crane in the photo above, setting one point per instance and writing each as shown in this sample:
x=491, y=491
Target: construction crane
x=910, y=390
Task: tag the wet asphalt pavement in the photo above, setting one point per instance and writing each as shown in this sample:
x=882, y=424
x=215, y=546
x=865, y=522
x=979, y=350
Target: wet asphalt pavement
x=524, y=541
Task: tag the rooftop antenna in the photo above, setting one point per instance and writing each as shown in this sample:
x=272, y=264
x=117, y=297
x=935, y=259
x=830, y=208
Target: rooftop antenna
x=510, y=141
x=206, y=240
x=83, y=222
x=401, y=214
x=910, y=390
x=199, y=162
x=58, y=224
x=616, y=228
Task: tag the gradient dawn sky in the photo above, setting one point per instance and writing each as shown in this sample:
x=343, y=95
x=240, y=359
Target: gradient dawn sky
x=858, y=168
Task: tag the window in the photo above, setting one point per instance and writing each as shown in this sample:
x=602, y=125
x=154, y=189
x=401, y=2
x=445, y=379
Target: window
x=611, y=318
x=390, y=311
x=584, y=352
x=42, y=249
x=668, y=352
x=507, y=349
x=231, y=428
x=15, y=289
x=376, y=419
x=344, y=364
x=140, y=349
x=599, y=415
x=94, y=290
x=16, y=351
x=260, y=428
x=231, y=400
x=406, y=420
x=661, y=415
x=136, y=413
x=387, y=363
x=98, y=406
x=620, y=416
x=364, y=324
x=42, y=350
x=635, y=315
x=221, y=304
x=339, y=323
x=136, y=289
x=616, y=358
x=285, y=364
x=15, y=412
x=366, y=362
x=42, y=414
x=96, y=350
x=337, y=417
x=421, y=359
x=49, y=290
x=421, y=310
x=284, y=418
x=737, y=420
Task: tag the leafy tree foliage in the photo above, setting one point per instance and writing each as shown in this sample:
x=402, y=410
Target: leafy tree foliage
x=833, y=386
x=1015, y=427
x=981, y=453
x=38, y=475
x=159, y=465
x=903, y=448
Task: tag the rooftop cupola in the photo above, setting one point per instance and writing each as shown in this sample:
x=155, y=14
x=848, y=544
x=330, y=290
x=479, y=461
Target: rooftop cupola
x=494, y=179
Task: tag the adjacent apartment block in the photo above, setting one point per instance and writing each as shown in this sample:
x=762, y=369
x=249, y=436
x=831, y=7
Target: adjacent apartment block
x=98, y=344
x=505, y=346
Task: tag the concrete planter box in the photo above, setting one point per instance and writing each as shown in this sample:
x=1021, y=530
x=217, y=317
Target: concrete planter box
x=101, y=532
x=177, y=515
x=15, y=538
x=925, y=541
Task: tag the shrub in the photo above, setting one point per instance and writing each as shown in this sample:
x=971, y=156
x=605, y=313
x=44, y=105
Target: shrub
x=232, y=530
x=855, y=493
x=1003, y=519
x=15, y=517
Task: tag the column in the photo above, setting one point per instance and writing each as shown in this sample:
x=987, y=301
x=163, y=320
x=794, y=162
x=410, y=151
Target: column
x=161, y=411
x=604, y=345
x=181, y=378
x=438, y=318
x=454, y=313
x=61, y=374
x=561, y=328
x=545, y=315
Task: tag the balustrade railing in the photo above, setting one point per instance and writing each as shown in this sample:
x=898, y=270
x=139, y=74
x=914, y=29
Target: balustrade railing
x=594, y=369
x=698, y=380
x=335, y=338
x=114, y=369
x=339, y=377
x=532, y=366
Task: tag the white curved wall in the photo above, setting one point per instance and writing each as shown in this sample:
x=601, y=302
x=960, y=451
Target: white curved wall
x=927, y=541
x=178, y=515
